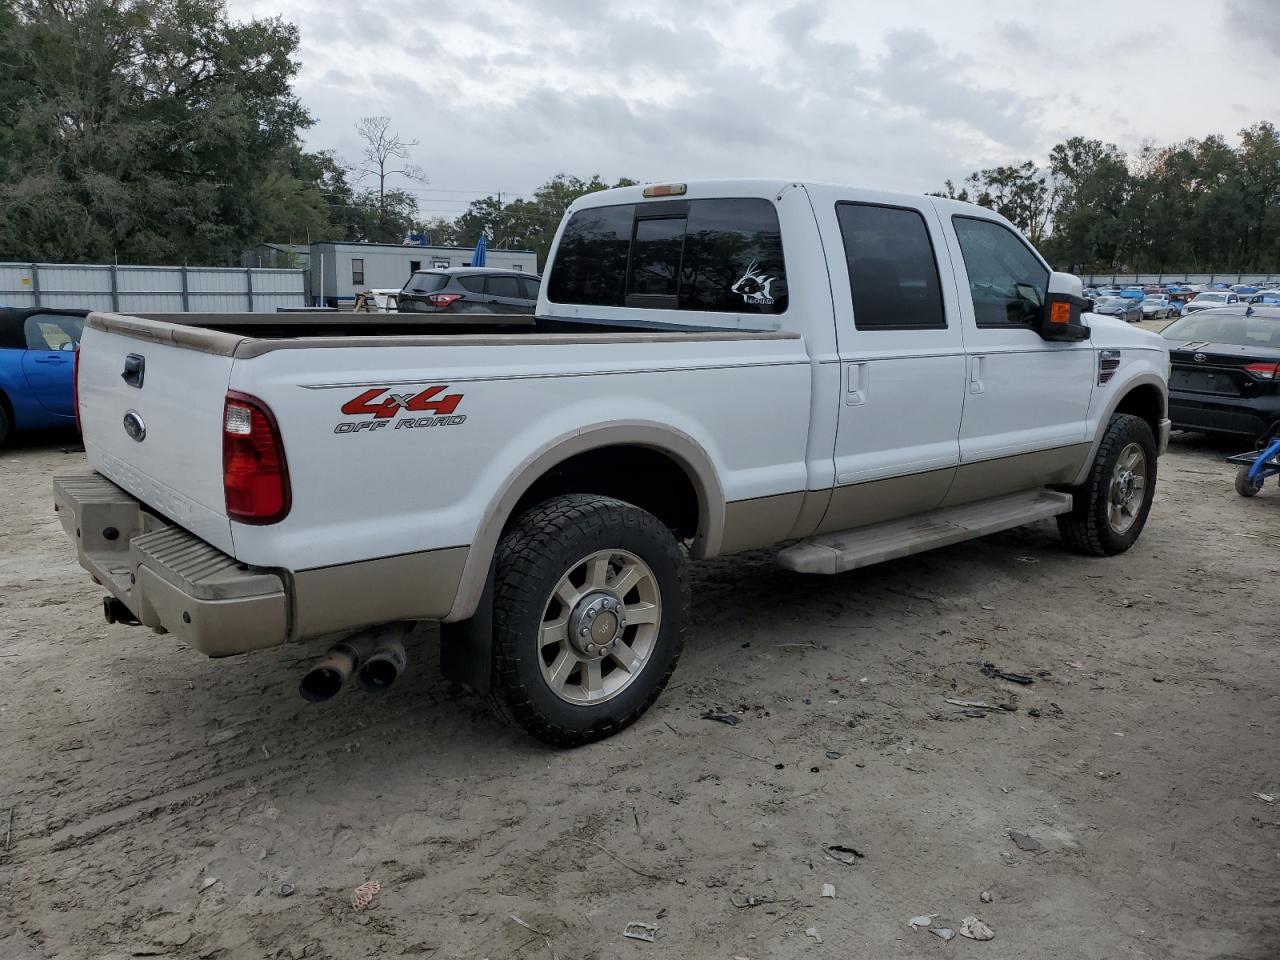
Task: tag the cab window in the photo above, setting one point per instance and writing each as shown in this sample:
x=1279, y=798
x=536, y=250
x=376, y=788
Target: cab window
x=893, y=273
x=721, y=255
x=1007, y=281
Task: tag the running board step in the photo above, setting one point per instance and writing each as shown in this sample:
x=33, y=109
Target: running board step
x=850, y=549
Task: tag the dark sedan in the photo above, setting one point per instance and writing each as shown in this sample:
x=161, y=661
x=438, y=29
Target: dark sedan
x=1126, y=308
x=1226, y=371
x=469, y=290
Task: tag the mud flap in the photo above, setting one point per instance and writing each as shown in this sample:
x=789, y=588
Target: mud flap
x=466, y=647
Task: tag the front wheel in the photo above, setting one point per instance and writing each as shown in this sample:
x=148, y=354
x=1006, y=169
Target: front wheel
x=1112, y=505
x=591, y=599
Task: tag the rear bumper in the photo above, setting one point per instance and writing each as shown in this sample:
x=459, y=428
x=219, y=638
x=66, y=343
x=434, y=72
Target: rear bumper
x=169, y=579
x=1252, y=417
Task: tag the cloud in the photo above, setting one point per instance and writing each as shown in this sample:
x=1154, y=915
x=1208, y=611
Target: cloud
x=504, y=94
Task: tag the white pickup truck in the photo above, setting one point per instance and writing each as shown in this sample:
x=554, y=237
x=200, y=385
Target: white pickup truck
x=713, y=367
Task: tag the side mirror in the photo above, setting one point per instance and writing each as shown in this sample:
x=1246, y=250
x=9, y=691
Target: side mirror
x=1060, y=320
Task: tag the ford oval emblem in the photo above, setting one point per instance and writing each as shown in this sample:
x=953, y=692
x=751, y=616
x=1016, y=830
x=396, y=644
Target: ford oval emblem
x=1199, y=358
x=134, y=426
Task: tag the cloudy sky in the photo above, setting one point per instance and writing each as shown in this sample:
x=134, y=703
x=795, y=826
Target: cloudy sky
x=899, y=95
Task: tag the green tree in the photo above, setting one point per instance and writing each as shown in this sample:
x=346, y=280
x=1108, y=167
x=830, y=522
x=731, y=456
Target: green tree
x=528, y=224
x=144, y=130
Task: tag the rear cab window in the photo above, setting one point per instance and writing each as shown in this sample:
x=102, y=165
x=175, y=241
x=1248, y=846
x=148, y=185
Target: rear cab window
x=719, y=255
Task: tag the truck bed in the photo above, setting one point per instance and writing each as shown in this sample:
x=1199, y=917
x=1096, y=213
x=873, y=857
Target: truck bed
x=307, y=324
x=244, y=335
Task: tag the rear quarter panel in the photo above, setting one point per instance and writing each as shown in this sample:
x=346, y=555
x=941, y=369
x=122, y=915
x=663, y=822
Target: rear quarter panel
x=362, y=491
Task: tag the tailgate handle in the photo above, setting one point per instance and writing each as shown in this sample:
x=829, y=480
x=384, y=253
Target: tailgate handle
x=135, y=367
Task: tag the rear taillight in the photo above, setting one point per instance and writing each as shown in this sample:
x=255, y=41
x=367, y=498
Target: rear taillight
x=1263, y=371
x=75, y=386
x=255, y=477
x=442, y=300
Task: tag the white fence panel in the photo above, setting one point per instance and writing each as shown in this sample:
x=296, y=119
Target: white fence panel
x=131, y=289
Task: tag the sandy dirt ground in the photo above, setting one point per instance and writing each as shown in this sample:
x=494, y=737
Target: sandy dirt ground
x=167, y=805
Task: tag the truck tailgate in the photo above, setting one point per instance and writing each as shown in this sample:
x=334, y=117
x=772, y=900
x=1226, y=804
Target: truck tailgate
x=151, y=413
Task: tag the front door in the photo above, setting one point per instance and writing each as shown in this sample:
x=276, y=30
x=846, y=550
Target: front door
x=1026, y=399
x=49, y=361
x=901, y=355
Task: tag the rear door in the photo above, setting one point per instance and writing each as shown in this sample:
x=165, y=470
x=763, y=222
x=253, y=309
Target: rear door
x=1026, y=399
x=505, y=295
x=901, y=356
x=48, y=363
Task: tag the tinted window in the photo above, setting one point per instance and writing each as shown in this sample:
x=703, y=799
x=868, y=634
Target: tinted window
x=503, y=286
x=427, y=282
x=474, y=283
x=733, y=258
x=1006, y=280
x=591, y=259
x=1226, y=326
x=892, y=270
x=655, y=258
x=47, y=331
x=531, y=288
x=724, y=255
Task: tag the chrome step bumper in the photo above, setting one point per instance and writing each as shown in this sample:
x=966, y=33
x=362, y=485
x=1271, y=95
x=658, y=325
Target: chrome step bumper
x=169, y=579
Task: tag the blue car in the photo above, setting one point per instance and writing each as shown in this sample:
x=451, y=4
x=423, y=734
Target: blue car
x=37, y=367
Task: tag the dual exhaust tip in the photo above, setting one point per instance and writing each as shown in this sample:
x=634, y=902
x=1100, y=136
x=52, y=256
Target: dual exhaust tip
x=376, y=656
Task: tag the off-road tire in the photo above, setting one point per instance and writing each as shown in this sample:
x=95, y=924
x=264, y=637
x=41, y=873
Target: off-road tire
x=532, y=556
x=1086, y=528
x=1244, y=486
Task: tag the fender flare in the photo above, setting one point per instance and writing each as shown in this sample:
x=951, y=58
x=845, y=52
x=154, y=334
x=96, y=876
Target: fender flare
x=1146, y=378
x=676, y=444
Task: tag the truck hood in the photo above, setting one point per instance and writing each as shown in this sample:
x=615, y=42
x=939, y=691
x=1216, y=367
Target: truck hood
x=1108, y=331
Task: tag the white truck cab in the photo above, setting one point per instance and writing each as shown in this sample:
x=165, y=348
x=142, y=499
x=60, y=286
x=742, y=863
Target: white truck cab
x=848, y=375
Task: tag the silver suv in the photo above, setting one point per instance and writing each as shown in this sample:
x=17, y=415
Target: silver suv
x=469, y=290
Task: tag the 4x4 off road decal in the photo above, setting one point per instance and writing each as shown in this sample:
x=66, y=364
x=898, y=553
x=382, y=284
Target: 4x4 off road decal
x=754, y=286
x=383, y=408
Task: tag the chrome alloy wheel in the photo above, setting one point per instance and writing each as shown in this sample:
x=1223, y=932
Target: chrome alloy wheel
x=599, y=627
x=1128, y=487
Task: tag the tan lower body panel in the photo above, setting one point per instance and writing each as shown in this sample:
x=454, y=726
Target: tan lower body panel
x=759, y=522
x=858, y=504
x=1024, y=471
x=412, y=586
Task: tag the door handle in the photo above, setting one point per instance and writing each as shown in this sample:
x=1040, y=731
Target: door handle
x=856, y=385
x=975, y=375
x=53, y=360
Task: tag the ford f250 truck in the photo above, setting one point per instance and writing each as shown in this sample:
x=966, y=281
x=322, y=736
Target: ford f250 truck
x=713, y=367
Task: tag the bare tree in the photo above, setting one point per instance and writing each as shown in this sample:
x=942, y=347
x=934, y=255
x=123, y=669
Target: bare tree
x=386, y=155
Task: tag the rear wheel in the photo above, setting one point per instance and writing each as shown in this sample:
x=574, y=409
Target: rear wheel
x=590, y=604
x=1112, y=505
x=6, y=422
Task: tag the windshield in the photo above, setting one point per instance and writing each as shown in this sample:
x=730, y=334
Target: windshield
x=1156, y=300
x=1226, y=326
x=1110, y=301
x=1211, y=298
x=426, y=282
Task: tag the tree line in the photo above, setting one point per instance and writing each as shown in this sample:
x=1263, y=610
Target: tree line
x=163, y=131
x=1200, y=206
